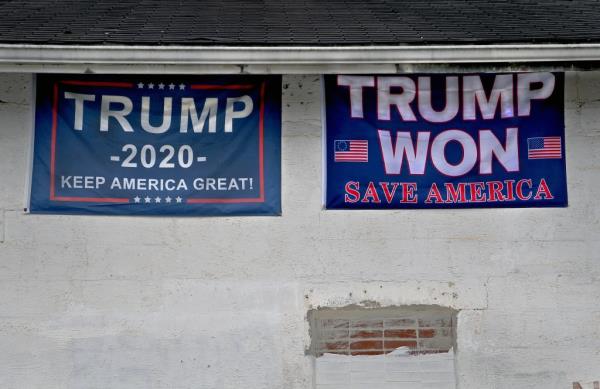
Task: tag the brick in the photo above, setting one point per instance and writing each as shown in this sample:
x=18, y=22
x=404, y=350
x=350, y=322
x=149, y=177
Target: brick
x=334, y=335
x=427, y=333
x=367, y=345
x=400, y=333
x=335, y=346
x=393, y=344
x=366, y=334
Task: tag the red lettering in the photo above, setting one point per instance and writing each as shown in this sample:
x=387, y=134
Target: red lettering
x=408, y=192
x=510, y=186
x=519, y=189
x=371, y=195
x=434, y=193
x=456, y=195
x=476, y=189
x=543, y=190
x=352, y=194
x=389, y=195
x=495, y=191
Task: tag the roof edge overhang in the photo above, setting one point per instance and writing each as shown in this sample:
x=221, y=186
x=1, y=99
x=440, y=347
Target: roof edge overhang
x=291, y=59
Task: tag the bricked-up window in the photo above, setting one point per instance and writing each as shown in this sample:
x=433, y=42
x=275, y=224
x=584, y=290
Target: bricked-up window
x=366, y=331
x=400, y=347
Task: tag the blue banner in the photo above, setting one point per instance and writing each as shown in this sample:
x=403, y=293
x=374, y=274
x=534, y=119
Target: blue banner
x=157, y=145
x=445, y=141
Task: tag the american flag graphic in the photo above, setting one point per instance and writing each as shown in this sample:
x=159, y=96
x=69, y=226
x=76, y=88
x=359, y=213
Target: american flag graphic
x=351, y=151
x=544, y=147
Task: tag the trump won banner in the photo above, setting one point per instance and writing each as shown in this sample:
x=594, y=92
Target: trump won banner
x=157, y=145
x=444, y=141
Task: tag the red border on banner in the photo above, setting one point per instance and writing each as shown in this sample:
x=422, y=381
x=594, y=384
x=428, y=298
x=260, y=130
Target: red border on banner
x=53, y=196
x=98, y=83
x=221, y=87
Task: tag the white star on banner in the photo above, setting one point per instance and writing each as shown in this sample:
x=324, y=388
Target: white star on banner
x=171, y=86
x=151, y=86
x=141, y=85
x=161, y=86
x=146, y=199
x=181, y=86
x=157, y=199
x=136, y=199
x=168, y=199
x=178, y=199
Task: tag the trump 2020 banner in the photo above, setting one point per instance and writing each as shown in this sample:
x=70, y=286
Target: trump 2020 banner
x=445, y=141
x=157, y=145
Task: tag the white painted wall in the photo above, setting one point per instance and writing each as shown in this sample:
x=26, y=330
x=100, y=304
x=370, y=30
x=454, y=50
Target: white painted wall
x=117, y=302
x=395, y=370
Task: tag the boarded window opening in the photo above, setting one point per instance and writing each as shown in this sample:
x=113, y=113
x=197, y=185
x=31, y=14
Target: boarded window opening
x=376, y=331
x=398, y=347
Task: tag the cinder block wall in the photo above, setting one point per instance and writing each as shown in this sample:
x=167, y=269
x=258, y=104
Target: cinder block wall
x=118, y=302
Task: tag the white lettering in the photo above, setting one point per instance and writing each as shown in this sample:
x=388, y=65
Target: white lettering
x=508, y=156
x=438, y=155
x=526, y=94
x=356, y=84
x=231, y=113
x=119, y=115
x=209, y=111
x=82, y=182
x=79, y=100
x=392, y=157
x=425, y=108
x=474, y=94
x=166, y=123
x=385, y=98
